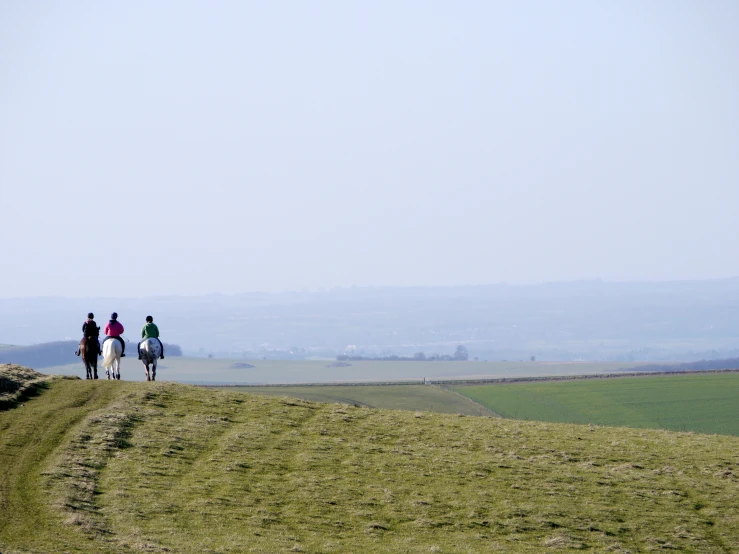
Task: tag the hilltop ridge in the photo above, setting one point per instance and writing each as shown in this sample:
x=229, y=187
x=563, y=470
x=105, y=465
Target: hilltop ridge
x=155, y=467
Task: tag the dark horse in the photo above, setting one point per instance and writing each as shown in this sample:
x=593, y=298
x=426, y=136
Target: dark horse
x=89, y=352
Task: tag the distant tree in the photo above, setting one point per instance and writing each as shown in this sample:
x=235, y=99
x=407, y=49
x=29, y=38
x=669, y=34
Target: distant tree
x=533, y=358
x=461, y=353
x=172, y=349
x=420, y=356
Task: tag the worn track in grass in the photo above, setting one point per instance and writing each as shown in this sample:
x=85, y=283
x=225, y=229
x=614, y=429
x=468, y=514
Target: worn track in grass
x=30, y=435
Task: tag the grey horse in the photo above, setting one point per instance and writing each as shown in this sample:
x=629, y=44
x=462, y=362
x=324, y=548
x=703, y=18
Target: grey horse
x=150, y=351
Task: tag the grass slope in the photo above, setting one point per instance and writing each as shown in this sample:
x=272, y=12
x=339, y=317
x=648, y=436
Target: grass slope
x=30, y=436
x=133, y=467
x=389, y=397
x=18, y=383
x=706, y=403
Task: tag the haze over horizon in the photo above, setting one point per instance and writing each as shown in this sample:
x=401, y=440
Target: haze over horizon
x=368, y=288
x=186, y=149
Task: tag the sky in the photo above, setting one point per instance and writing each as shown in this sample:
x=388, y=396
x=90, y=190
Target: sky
x=180, y=147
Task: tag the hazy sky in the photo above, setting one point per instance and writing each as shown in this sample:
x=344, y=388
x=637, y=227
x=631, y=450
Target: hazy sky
x=195, y=147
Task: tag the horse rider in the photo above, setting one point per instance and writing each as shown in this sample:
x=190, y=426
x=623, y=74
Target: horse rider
x=151, y=331
x=114, y=330
x=91, y=331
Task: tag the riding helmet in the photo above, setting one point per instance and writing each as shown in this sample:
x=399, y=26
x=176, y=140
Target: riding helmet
x=91, y=316
x=114, y=315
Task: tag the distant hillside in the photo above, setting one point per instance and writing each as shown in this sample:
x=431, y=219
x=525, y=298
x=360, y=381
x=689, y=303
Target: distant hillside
x=726, y=363
x=50, y=354
x=40, y=355
x=106, y=467
x=580, y=321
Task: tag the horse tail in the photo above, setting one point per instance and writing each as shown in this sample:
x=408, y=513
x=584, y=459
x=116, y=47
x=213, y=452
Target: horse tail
x=109, y=352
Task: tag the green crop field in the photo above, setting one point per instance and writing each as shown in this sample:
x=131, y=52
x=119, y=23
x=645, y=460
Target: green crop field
x=393, y=397
x=106, y=467
x=707, y=403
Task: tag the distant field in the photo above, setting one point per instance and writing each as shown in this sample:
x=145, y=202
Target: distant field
x=267, y=372
x=393, y=397
x=702, y=403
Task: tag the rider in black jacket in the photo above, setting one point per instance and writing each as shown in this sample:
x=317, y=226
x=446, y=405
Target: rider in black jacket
x=91, y=331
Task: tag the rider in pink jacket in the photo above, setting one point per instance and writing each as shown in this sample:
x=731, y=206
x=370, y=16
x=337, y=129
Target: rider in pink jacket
x=114, y=329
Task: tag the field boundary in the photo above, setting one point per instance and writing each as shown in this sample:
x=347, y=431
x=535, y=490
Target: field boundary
x=419, y=381
x=546, y=378
x=492, y=413
x=480, y=381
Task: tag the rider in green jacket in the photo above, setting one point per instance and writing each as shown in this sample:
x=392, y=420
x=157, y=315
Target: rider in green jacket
x=150, y=331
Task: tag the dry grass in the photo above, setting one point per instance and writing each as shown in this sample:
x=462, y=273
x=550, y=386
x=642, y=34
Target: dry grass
x=17, y=383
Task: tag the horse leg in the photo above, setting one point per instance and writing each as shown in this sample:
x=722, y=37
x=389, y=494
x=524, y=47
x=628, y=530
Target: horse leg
x=148, y=378
x=118, y=369
x=88, y=363
x=81, y=353
x=154, y=370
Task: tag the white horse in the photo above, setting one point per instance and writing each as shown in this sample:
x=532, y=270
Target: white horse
x=112, y=351
x=150, y=351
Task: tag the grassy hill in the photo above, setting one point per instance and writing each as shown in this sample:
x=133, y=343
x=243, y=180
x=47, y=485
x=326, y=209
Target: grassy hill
x=41, y=355
x=705, y=402
x=99, y=466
